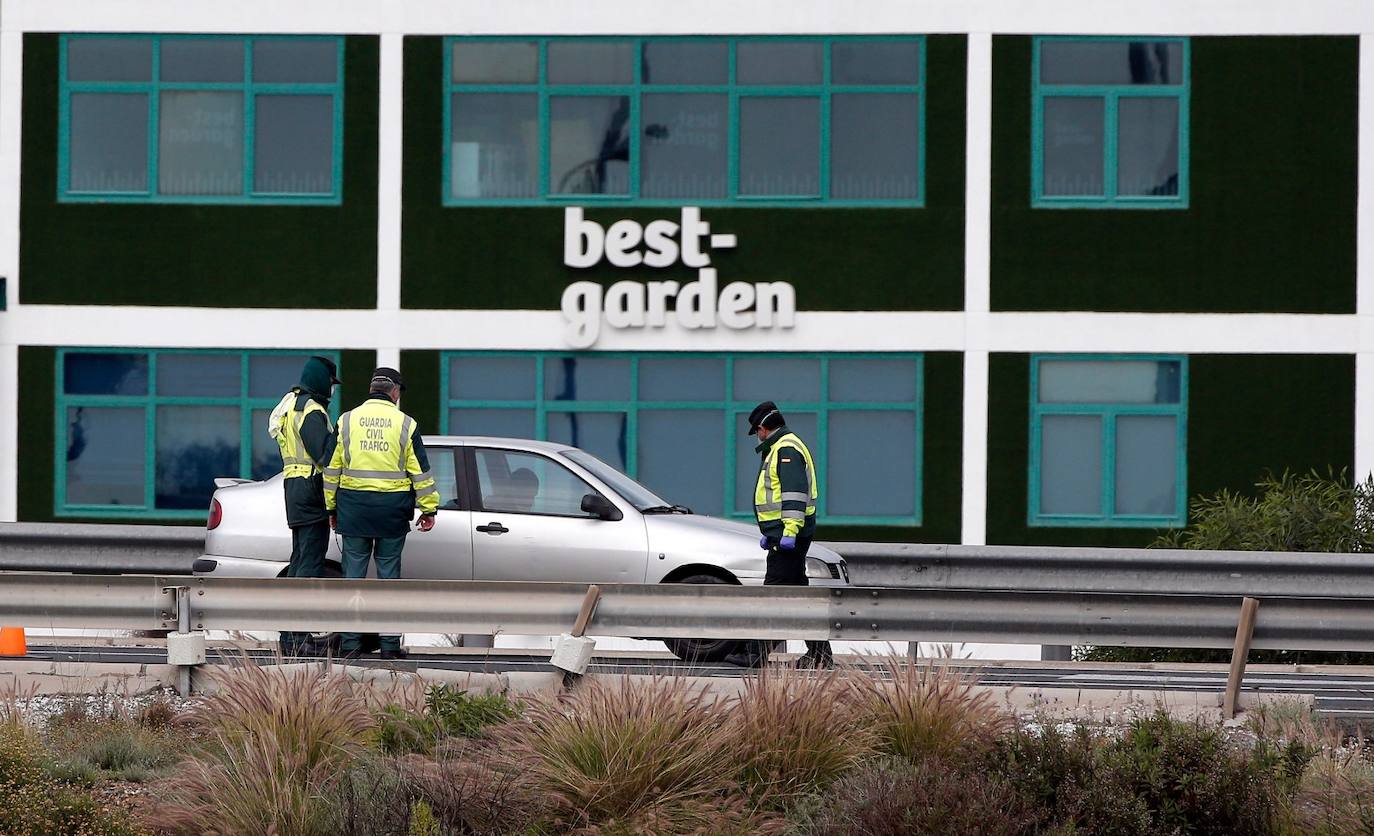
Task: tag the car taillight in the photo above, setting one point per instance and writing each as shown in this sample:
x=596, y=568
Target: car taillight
x=216, y=515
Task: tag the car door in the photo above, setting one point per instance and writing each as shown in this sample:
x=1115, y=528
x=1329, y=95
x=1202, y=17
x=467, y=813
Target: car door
x=444, y=552
x=528, y=524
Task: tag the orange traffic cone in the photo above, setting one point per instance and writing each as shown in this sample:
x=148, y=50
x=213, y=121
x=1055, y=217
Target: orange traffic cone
x=12, y=642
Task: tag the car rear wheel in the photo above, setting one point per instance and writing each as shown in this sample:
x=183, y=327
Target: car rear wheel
x=702, y=650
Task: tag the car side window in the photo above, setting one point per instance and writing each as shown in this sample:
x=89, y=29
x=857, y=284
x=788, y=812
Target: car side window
x=441, y=461
x=526, y=483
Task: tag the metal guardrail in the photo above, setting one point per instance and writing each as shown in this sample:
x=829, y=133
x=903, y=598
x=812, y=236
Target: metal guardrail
x=100, y=549
x=666, y=611
x=1148, y=571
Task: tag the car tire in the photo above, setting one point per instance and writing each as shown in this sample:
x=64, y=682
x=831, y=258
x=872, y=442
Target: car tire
x=702, y=650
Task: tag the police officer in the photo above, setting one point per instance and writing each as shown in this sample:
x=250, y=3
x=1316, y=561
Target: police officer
x=378, y=474
x=785, y=508
x=300, y=424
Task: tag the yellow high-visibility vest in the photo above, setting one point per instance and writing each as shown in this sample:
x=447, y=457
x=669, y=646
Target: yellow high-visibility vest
x=376, y=452
x=295, y=461
x=769, y=495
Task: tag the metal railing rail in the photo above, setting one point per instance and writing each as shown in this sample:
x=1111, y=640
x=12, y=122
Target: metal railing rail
x=666, y=611
x=100, y=549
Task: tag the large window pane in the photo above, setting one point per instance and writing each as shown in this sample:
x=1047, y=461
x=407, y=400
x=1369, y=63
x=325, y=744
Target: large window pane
x=685, y=146
x=777, y=379
x=199, y=375
x=195, y=444
x=105, y=374
x=587, y=379
x=266, y=453
x=1147, y=465
x=686, y=62
x=872, y=464
x=779, y=146
x=108, y=149
x=1147, y=146
x=589, y=145
x=603, y=434
x=501, y=423
x=779, y=62
x=875, y=62
x=293, y=60
x=663, y=436
x=495, y=62
x=1073, y=146
x=109, y=59
x=270, y=375
x=874, y=141
x=1111, y=62
x=591, y=62
x=105, y=455
x=1109, y=381
x=1071, y=464
x=873, y=379
x=202, y=59
x=747, y=461
x=495, y=149
x=200, y=143
x=294, y=145
x=491, y=378
x=681, y=379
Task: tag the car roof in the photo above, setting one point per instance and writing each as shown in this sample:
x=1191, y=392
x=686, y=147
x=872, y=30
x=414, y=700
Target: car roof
x=496, y=441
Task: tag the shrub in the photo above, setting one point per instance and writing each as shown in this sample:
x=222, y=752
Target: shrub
x=33, y=804
x=373, y=797
x=930, y=710
x=92, y=750
x=448, y=712
x=1335, y=795
x=276, y=743
x=794, y=733
x=899, y=797
x=468, y=792
x=631, y=754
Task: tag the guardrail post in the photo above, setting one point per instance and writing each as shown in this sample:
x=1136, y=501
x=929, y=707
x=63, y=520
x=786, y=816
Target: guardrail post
x=1245, y=631
x=185, y=649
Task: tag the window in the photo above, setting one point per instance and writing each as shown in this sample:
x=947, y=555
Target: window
x=1108, y=440
x=526, y=483
x=1110, y=123
x=147, y=432
x=676, y=422
x=664, y=121
x=200, y=119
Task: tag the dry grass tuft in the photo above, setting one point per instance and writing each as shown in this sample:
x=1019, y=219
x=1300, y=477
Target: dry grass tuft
x=930, y=710
x=276, y=741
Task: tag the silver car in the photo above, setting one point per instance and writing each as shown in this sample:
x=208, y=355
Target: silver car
x=520, y=510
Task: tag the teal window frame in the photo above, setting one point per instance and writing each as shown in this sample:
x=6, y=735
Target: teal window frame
x=733, y=413
x=149, y=403
x=1109, y=412
x=152, y=88
x=733, y=90
x=1111, y=94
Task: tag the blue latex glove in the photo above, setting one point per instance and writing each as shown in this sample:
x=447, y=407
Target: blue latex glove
x=763, y=542
x=787, y=543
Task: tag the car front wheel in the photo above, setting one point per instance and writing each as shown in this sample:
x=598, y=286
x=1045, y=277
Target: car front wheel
x=702, y=650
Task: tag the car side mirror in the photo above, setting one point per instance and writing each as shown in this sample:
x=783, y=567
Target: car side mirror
x=600, y=507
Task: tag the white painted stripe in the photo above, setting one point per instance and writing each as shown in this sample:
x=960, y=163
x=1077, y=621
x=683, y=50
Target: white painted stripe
x=11, y=125
x=389, y=175
x=977, y=290
x=555, y=17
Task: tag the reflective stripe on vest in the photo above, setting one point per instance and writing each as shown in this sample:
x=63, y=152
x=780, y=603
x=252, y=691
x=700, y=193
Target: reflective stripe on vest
x=296, y=463
x=374, y=440
x=768, y=493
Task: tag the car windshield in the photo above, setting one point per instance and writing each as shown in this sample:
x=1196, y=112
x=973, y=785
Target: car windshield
x=634, y=493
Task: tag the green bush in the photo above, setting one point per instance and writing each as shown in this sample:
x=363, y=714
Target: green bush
x=448, y=713
x=1293, y=513
x=91, y=750
x=32, y=803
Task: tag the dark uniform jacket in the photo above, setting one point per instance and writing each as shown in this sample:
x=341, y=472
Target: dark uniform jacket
x=305, y=496
x=793, y=476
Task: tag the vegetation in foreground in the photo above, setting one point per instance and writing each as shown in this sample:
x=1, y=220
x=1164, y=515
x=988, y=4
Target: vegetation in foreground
x=894, y=750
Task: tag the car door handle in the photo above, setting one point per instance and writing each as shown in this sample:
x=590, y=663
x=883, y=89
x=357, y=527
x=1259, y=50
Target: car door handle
x=493, y=528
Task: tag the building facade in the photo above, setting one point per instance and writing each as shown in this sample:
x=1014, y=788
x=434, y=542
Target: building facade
x=1031, y=275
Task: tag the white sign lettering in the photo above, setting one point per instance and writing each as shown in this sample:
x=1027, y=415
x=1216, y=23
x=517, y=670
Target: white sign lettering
x=661, y=243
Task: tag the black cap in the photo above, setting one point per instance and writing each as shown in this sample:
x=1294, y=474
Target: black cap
x=383, y=374
x=333, y=369
x=765, y=414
